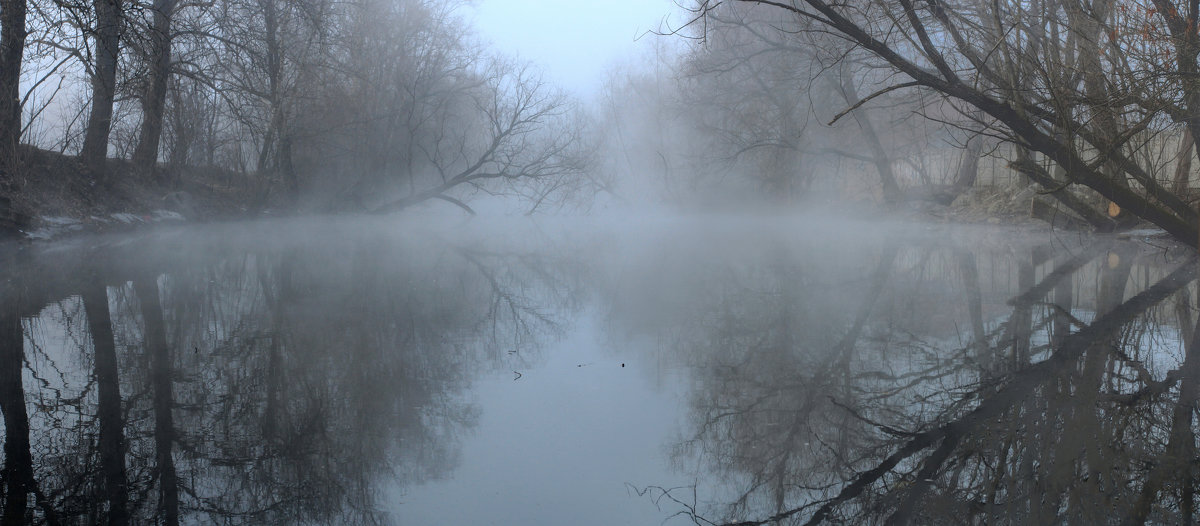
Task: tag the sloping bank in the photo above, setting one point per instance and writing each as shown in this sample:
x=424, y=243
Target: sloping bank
x=52, y=195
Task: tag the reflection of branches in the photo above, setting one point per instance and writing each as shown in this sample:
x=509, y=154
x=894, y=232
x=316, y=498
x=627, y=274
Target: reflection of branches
x=688, y=508
x=258, y=359
x=914, y=421
x=948, y=435
x=1179, y=454
x=878, y=425
x=526, y=316
x=774, y=376
x=1062, y=270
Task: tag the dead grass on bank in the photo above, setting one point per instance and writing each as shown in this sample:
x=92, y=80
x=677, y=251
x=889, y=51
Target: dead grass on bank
x=49, y=184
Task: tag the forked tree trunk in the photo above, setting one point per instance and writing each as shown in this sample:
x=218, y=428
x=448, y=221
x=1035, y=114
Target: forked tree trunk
x=108, y=400
x=155, y=343
x=104, y=81
x=145, y=155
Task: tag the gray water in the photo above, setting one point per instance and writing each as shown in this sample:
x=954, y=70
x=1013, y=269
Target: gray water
x=664, y=370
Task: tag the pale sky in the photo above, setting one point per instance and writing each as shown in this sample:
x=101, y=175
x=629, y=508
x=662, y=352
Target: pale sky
x=573, y=41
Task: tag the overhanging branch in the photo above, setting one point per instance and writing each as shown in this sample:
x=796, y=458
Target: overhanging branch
x=868, y=98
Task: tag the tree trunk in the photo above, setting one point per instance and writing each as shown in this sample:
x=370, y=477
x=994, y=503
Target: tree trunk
x=1022, y=317
x=1183, y=163
x=968, y=166
x=155, y=341
x=18, y=463
x=1064, y=300
x=969, y=269
x=883, y=163
x=112, y=427
x=1034, y=171
x=104, y=82
x=275, y=158
x=12, y=46
x=145, y=155
x=1090, y=50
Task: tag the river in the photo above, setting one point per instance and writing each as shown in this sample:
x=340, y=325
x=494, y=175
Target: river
x=643, y=370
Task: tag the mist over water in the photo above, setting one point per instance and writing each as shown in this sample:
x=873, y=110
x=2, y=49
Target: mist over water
x=598, y=371
x=642, y=262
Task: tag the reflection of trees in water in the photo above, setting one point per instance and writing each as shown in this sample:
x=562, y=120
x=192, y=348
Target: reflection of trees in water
x=1073, y=407
x=276, y=385
x=757, y=335
x=17, y=477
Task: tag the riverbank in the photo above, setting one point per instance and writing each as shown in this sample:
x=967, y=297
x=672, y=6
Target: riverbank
x=54, y=194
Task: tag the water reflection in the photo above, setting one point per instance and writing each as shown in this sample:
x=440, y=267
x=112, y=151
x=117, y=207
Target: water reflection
x=914, y=393
x=901, y=376
x=255, y=384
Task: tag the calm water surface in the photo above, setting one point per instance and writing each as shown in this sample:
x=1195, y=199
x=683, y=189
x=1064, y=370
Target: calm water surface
x=656, y=371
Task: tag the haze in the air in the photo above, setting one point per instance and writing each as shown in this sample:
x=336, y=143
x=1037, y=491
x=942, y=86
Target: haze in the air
x=583, y=262
x=573, y=41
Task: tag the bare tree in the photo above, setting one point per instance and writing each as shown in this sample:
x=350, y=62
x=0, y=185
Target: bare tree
x=106, y=37
x=314, y=103
x=154, y=100
x=749, y=94
x=1064, y=79
x=845, y=84
x=413, y=110
x=518, y=140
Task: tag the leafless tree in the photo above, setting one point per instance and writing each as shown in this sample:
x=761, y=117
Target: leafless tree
x=1082, y=83
x=154, y=100
x=106, y=36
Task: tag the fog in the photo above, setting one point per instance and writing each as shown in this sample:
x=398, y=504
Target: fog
x=499, y=262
